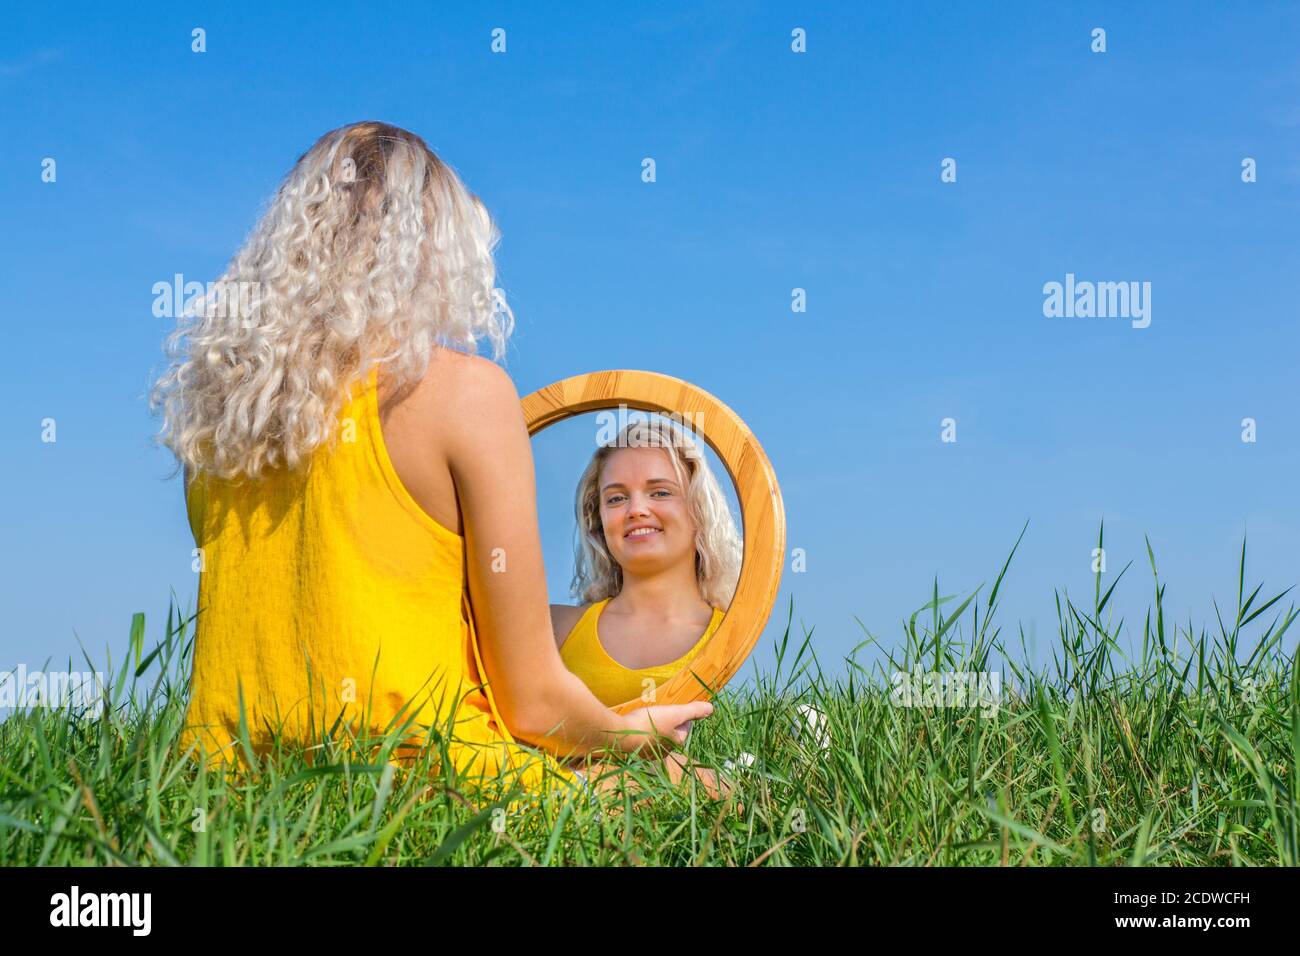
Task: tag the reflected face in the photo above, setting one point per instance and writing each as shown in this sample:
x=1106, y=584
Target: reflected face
x=643, y=511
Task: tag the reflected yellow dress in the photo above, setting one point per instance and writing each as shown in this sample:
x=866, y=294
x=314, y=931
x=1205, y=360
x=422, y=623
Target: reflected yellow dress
x=334, y=570
x=610, y=681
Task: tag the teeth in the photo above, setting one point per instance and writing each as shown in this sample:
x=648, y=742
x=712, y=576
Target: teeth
x=642, y=532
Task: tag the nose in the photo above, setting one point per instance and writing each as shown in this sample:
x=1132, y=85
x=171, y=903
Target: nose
x=637, y=505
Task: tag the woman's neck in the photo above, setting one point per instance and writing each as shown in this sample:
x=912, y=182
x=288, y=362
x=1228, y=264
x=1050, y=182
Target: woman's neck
x=670, y=595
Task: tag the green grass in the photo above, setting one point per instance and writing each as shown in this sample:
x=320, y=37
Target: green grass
x=1182, y=751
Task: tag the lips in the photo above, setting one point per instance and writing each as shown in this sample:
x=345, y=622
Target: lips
x=643, y=532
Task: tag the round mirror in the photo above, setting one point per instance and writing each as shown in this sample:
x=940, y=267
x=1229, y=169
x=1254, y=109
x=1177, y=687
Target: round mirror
x=632, y=484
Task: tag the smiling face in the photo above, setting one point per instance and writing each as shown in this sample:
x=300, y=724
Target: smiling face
x=643, y=511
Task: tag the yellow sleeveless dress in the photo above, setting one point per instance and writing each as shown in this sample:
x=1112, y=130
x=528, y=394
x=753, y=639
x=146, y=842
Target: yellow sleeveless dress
x=610, y=681
x=335, y=569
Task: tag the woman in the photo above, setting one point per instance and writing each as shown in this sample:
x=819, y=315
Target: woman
x=360, y=484
x=657, y=561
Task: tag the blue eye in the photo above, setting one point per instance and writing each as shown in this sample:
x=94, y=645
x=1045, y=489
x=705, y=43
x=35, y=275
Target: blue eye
x=614, y=499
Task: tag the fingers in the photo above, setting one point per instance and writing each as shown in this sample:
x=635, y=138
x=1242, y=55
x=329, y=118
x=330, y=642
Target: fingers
x=670, y=724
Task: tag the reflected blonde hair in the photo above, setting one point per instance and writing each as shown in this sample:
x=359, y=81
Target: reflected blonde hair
x=718, y=546
x=371, y=252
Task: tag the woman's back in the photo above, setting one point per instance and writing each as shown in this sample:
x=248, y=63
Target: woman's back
x=330, y=590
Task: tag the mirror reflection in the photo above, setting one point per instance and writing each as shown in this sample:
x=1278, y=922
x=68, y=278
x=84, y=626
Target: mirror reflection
x=642, y=546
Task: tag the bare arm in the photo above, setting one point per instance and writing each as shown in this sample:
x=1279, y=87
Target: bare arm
x=491, y=461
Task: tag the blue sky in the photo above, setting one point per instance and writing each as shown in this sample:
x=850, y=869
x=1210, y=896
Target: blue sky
x=775, y=171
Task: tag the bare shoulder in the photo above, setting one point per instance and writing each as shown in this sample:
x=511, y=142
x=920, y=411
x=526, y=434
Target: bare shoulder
x=473, y=378
x=563, y=619
x=474, y=398
x=455, y=378
x=464, y=408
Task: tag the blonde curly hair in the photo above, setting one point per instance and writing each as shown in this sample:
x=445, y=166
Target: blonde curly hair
x=718, y=546
x=372, y=252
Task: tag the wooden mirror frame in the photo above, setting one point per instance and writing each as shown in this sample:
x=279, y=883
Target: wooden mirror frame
x=762, y=512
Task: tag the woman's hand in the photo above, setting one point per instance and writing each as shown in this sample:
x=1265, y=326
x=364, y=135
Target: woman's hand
x=661, y=728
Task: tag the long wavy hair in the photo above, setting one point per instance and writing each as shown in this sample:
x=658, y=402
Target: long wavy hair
x=372, y=252
x=718, y=546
